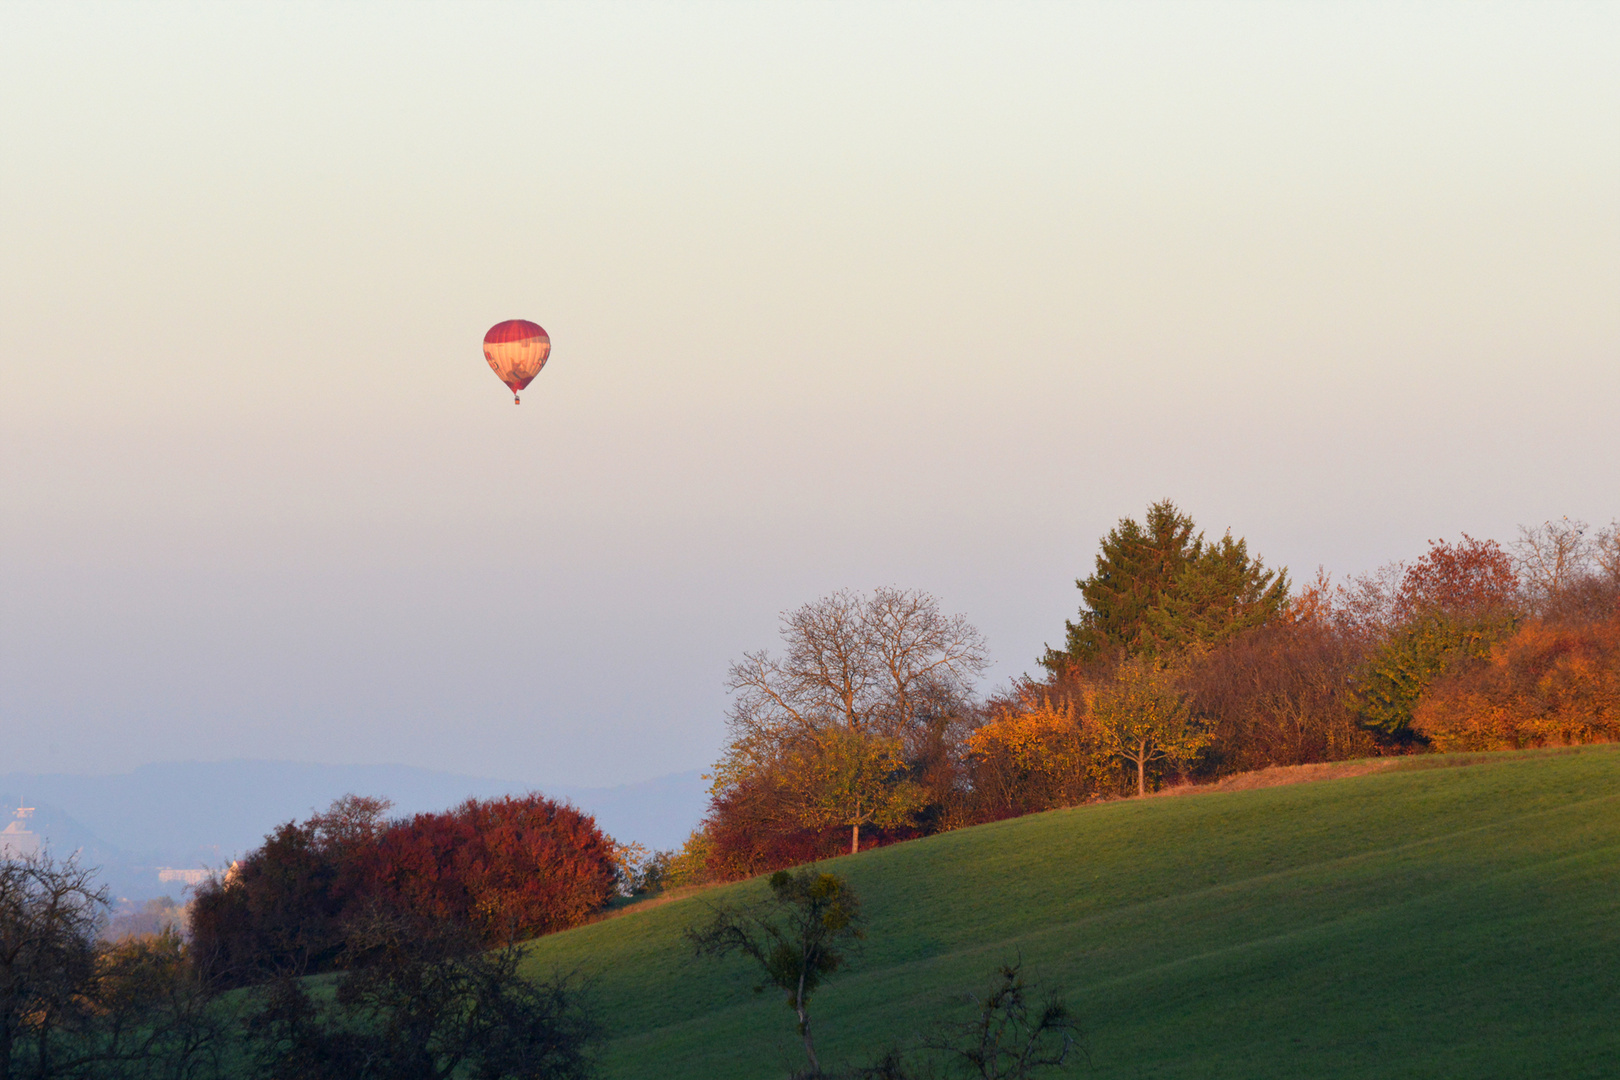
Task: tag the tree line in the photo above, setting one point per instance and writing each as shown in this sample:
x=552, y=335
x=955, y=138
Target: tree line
x=415, y=922
x=1189, y=660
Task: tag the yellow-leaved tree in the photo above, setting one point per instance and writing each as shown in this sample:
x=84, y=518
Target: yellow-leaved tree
x=851, y=778
x=1142, y=717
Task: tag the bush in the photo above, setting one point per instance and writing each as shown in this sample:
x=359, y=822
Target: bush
x=423, y=1006
x=502, y=869
x=278, y=912
x=1395, y=678
x=1547, y=685
x=750, y=832
x=1275, y=696
x=508, y=868
x=1035, y=753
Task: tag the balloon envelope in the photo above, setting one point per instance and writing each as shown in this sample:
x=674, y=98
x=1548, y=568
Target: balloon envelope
x=516, y=350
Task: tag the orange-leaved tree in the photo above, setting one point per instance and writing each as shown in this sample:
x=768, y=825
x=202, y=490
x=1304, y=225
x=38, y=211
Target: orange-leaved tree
x=1547, y=685
x=1031, y=755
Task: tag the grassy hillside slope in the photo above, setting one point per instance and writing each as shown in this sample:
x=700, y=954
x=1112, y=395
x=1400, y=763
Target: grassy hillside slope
x=1419, y=922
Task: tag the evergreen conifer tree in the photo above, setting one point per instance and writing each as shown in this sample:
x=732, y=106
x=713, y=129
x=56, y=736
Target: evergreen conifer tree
x=1159, y=586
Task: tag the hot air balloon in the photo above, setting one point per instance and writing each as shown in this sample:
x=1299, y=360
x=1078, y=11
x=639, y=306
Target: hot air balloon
x=516, y=350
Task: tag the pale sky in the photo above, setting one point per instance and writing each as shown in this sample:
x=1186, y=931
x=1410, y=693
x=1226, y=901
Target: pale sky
x=840, y=295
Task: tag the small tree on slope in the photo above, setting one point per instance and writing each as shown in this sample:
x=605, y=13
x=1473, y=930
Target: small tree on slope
x=1142, y=717
x=794, y=937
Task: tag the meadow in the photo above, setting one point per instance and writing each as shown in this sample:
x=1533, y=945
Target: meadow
x=1447, y=916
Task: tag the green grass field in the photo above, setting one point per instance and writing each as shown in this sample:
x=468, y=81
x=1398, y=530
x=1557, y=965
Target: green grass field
x=1419, y=922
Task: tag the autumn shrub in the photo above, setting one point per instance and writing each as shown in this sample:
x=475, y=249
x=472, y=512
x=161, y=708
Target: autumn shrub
x=278, y=912
x=751, y=830
x=1446, y=611
x=1031, y=755
x=508, y=868
x=500, y=869
x=686, y=865
x=1550, y=684
x=1275, y=695
x=1391, y=683
x=1469, y=578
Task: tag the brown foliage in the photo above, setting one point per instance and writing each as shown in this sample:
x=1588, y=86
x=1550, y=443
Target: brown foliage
x=1276, y=696
x=1470, y=578
x=1550, y=684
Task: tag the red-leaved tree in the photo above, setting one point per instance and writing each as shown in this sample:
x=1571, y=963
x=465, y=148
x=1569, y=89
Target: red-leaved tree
x=489, y=872
x=1468, y=578
x=509, y=868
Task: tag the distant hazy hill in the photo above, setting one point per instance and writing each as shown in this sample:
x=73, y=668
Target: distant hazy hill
x=188, y=814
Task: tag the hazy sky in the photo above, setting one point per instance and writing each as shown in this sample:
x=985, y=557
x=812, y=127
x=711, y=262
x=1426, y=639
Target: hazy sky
x=839, y=295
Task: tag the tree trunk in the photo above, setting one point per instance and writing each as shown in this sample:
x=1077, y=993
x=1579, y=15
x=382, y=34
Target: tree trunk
x=804, y=1024
x=1141, y=770
x=855, y=839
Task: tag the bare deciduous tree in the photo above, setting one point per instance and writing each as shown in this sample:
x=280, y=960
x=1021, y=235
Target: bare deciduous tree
x=1606, y=554
x=1019, y=1031
x=1015, y=1033
x=50, y=913
x=1551, y=557
x=866, y=663
x=877, y=669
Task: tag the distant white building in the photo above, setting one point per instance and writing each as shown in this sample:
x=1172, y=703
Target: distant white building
x=16, y=841
x=185, y=877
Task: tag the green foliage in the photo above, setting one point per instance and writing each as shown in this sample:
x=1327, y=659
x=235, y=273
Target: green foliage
x=795, y=938
x=1394, y=679
x=1217, y=594
x=1418, y=921
x=1159, y=586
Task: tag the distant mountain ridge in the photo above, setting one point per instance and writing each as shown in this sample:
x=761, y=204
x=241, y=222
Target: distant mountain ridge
x=190, y=814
